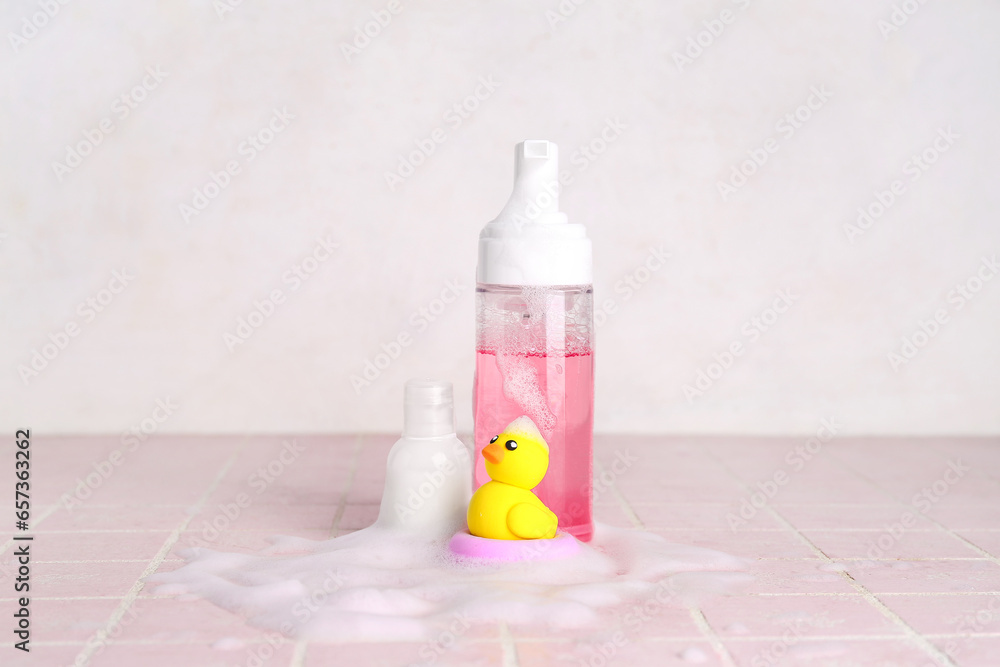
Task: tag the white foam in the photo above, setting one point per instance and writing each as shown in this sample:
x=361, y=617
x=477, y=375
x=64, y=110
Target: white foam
x=520, y=384
x=694, y=654
x=377, y=584
x=524, y=426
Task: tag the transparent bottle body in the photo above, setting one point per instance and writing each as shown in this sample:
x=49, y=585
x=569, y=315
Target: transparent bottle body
x=534, y=357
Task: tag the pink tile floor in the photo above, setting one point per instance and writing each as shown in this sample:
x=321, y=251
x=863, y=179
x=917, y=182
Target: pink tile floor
x=868, y=552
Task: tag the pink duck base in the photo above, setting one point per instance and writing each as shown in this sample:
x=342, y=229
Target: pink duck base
x=466, y=545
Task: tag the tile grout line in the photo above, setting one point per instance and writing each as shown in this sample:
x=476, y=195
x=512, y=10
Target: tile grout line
x=508, y=648
x=666, y=529
x=679, y=639
x=854, y=595
x=929, y=648
x=49, y=511
x=52, y=509
x=88, y=597
x=342, y=503
x=921, y=641
x=771, y=559
x=976, y=471
x=262, y=529
x=622, y=503
x=637, y=503
x=90, y=648
x=773, y=594
x=900, y=503
x=877, y=560
x=90, y=562
x=698, y=616
x=981, y=475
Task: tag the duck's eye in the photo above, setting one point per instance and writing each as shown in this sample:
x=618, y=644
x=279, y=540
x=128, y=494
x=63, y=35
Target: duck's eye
x=494, y=439
x=511, y=445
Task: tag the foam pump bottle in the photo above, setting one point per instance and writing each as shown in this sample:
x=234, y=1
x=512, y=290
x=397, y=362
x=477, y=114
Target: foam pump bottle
x=534, y=334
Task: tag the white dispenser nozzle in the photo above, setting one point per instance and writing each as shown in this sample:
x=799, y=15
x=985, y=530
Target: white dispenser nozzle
x=531, y=242
x=536, y=185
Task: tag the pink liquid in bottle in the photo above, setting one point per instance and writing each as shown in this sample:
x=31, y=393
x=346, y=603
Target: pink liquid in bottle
x=534, y=357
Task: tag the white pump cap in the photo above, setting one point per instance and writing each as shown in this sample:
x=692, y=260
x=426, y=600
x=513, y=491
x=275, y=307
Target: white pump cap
x=531, y=242
x=428, y=409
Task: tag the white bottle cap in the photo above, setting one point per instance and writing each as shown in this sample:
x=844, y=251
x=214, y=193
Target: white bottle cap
x=428, y=409
x=531, y=242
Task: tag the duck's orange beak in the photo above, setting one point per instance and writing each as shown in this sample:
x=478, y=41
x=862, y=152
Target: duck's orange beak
x=493, y=452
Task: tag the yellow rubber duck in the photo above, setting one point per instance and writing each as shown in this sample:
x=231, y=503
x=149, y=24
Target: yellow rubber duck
x=505, y=508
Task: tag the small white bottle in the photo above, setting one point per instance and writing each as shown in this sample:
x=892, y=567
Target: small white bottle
x=428, y=476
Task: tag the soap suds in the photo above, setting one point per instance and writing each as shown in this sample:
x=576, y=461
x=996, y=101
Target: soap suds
x=520, y=384
x=537, y=322
x=376, y=584
x=737, y=629
x=694, y=654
